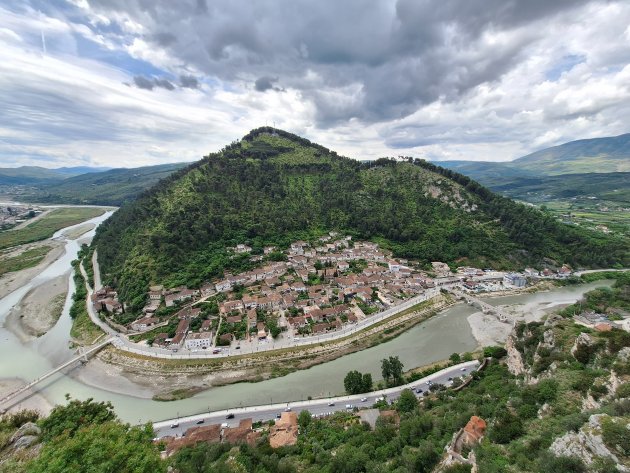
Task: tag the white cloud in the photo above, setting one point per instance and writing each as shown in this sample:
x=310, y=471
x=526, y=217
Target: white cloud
x=438, y=83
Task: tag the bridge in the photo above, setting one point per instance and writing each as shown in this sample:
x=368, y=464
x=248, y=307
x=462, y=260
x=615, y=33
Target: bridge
x=82, y=357
x=484, y=306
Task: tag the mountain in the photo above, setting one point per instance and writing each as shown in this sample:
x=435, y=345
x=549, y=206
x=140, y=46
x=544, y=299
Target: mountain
x=36, y=175
x=598, y=155
x=591, y=168
x=610, y=154
x=273, y=187
x=613, y=186
x=112, y=187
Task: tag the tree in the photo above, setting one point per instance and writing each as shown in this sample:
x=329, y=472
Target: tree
x=304, y=419
x=68, y=419
x=396, y=368
x=407, y=401
x=455, y=358
x=366, y=382
x=357, y=383
x=386, y=370
x=100, y=447
x=494, y=352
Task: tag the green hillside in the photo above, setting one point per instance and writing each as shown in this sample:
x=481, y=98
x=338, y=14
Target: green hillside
x=274, y=188
x=112, y=187
x=610, y=154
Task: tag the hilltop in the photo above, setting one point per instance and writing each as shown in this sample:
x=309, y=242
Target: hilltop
x=273, y=187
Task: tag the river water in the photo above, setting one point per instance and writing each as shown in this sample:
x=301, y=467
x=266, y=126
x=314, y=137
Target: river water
x=427, y=342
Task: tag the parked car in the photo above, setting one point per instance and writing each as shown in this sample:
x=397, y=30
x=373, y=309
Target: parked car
x=331, y=403
x=175, y=425
x=278, y=415
x=200, y=421
x=418, y=391
x=288, y=409
x=363, y=399
x=229, y=416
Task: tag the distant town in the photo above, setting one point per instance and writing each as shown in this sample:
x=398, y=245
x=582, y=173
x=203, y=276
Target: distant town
x=309, y=289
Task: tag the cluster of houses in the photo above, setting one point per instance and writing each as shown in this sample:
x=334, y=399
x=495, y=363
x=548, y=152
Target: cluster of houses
x=106, y=299
x=14, y=214
x=319, y=287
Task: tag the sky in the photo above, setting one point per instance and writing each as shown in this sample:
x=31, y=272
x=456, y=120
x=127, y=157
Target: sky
x=126, y=83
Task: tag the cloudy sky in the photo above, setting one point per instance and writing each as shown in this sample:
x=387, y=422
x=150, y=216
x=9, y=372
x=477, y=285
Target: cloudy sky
x=138, y=82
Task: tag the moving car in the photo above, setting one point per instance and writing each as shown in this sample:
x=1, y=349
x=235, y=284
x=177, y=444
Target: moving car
x=363, y=399
x=175, y=425
x=200, y=421
x=229, y=416
x=331, y=403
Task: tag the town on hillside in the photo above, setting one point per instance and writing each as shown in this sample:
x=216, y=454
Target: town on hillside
x=312, y=289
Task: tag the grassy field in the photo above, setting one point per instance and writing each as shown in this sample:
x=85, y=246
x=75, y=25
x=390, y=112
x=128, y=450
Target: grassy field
x=593, y=214
x=26, y=259
x=47, y=225
x=83, y=331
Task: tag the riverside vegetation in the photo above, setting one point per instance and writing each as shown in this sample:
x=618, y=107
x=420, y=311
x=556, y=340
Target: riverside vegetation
x=272, y=188
x=564, y=408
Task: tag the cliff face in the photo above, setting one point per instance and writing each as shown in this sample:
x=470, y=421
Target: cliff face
x=590, y=374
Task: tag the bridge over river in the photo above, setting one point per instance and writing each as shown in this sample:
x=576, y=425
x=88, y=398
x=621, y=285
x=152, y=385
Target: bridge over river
x=82, y=356
x=484, y=306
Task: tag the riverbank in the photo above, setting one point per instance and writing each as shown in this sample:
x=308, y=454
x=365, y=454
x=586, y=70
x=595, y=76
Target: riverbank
x=29, y=400
x=10, y=282
x=174, y=379
x=488, y=330
x=76, y=232
x=39, y=309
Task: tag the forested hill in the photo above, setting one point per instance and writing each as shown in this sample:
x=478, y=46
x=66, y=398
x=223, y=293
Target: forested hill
x=273, y=187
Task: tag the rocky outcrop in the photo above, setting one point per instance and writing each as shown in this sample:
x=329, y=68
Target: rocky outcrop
x=584, y=340
x=587, y=444
x=624, y=354
x=28, y=429
x=514, y=359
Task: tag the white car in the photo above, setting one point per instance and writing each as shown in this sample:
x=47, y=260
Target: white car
x=363, y=399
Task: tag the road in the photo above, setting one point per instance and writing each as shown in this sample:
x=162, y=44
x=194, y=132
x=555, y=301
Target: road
x=315, y=406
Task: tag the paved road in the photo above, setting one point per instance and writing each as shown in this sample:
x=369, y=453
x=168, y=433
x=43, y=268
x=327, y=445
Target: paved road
x=316, y=406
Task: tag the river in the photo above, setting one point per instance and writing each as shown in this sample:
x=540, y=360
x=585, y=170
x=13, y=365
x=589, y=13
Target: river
x=432, y=340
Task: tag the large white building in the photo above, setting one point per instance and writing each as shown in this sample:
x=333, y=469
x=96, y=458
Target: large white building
x=198, y=340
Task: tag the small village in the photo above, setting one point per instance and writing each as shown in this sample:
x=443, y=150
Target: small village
x=313, y=289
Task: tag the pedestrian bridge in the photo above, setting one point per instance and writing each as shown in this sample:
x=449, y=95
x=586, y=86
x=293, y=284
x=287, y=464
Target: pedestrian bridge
x=81, y=357
x=484, y=306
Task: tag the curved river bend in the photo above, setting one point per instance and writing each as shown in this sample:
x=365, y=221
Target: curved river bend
x=425, y=343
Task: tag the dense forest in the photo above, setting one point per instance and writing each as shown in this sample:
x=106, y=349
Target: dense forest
x=273, y=187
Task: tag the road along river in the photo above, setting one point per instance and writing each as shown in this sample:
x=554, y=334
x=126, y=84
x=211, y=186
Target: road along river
x=432, y=340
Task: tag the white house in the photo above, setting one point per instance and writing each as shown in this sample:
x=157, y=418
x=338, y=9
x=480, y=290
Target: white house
x=198, y=340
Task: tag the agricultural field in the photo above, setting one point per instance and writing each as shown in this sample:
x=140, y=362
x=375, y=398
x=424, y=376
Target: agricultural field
x=46, y=226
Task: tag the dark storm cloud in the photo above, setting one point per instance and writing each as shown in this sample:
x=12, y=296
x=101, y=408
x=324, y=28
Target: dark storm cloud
x=265, y=83
x=143, y=83
x=376, y=61
x=188, y=81
x=149, y=83
x=164, y=84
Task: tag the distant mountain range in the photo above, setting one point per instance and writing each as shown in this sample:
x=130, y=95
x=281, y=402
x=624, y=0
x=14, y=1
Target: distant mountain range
x=598, y=167
x=83, y=185
x=33, y=175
